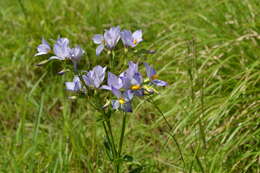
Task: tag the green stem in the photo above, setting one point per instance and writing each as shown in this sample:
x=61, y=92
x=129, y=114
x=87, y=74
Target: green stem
x=121, y=141
x=115, y=155
x=193, y=70
x=112, y=137
x=112, y=60
x=170, y=127
x=202, y=132
x=109, y=141
x=122, y=134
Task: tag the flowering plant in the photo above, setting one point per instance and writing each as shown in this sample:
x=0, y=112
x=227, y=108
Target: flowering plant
x=101, y=82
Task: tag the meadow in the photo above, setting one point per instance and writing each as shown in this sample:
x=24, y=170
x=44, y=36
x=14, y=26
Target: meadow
x=208, y=52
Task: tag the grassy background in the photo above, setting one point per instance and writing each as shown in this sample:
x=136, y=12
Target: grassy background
x=207, y=50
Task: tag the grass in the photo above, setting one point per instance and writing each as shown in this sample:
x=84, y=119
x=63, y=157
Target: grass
x=207, y=50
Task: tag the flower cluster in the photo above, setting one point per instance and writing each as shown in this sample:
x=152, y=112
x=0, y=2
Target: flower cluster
x=61, y=50
x=113, y=35
x=127, y=85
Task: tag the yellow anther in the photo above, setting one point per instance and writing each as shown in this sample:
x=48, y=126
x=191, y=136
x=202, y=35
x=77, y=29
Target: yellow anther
x=154, y=77
x=135, y=87
x=135, y=41
x=121, y=101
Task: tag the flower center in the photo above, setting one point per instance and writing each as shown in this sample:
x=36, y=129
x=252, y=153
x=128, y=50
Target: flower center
x=121, y=101
x=154, y=77
x=135, y=87
x=135, y=41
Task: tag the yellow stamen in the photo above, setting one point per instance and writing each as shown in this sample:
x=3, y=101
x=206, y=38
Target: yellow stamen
x=135, y=87
x=135, y=41
x=121, y=101
x=154, y=77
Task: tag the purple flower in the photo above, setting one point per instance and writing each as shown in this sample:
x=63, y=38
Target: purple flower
x=132, y=79
x=151, y=73
x=129, y=39
x=109, y=39
x=75, y=85
x=112, y=37
x=43, y=48
x=61, y=49
x=99, y=39
x=95, y=77
x=132, y=69
x=113, y=81
x=75, y=55
x=123, y=100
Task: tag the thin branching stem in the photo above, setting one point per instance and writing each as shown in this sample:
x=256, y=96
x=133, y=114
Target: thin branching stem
x=170, y=127
x=192, y=74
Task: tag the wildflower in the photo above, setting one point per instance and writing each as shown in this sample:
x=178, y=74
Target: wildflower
x=113, y=81
x=130, y=39
x=109, y=39
x=75, y=85
x=123, y=100
x=112, y=37
x=61, y=49
x=43, y=48
x=132, y=69
x=129, y=73
x=136, y=84
x=99, y=39
x=132, y=79
x=95, y=77
x=75, y=55
x=153, y=77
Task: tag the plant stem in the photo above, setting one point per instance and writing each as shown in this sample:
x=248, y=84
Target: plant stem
x=202, y=131
x=191, y=71
x=109, y=141
x=112, y=137
x=122, y=134
x=170, y=127
x=111, y=60
x=121, y=141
